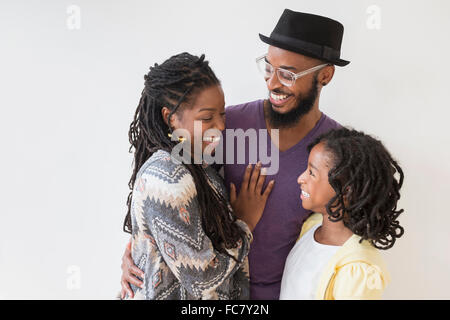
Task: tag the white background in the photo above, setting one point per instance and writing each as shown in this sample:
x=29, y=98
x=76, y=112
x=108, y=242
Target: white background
x=68, y=96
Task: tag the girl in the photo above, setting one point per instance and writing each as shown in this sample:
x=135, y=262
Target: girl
x=351, y=184
x=185, y=237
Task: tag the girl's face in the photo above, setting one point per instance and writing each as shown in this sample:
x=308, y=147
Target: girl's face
x=207, y=111
x=316, y=191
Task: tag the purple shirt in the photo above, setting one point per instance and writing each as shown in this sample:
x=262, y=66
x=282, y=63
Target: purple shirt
x=280, y=225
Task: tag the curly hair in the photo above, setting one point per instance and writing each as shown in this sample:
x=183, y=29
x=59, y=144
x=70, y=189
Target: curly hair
x=363, y=176
x=175, y=84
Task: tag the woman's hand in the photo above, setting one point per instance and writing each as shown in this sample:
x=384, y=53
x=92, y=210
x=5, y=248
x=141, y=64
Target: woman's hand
x=129, y=273
x=250, y=203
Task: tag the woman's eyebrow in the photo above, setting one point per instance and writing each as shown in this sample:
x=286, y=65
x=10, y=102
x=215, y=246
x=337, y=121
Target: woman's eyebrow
x=312, y=166
x=206, y=109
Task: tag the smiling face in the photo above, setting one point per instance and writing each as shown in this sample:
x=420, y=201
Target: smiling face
x=207, y=107
x=289, y=103
x=316, y=191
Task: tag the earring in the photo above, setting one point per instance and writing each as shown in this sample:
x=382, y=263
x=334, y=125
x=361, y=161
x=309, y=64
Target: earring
x=180, y=139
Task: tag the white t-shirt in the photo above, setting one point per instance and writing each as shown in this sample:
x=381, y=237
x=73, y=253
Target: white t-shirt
x=304, y=266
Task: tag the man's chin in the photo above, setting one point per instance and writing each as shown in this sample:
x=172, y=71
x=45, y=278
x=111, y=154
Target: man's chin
x=281, y=109
x=286, y=116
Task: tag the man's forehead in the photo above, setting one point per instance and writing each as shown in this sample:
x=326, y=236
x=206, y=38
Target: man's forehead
x=287, y=57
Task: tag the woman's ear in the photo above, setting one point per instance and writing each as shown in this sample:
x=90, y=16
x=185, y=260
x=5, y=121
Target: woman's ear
x=347, y=194
x=165, y=112
x=174, y=119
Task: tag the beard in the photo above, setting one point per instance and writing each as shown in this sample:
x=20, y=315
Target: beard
x=291, y=118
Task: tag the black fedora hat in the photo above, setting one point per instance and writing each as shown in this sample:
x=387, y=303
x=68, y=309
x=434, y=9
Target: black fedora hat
x=308, y=34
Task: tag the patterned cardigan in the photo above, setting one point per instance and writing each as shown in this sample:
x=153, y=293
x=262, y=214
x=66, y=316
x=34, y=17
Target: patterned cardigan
x=169, y=243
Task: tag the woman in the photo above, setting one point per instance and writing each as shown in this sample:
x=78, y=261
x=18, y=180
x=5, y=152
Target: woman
x=351, y=184
x=185, y=237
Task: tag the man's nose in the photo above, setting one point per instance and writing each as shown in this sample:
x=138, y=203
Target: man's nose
x=273, y=82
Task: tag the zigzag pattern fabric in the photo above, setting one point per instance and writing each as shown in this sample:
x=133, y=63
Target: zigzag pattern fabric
x=169, y=243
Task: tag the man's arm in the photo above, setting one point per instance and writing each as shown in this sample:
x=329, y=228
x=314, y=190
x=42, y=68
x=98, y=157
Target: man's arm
x=130, y=272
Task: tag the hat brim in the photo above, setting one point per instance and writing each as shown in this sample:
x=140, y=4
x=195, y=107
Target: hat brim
x=286, y=46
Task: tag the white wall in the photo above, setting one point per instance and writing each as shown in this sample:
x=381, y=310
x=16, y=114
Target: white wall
x=68, y=96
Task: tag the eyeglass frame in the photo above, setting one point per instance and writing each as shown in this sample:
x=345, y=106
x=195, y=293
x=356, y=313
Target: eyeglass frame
x=294, y=75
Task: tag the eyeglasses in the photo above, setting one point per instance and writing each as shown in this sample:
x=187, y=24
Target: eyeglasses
x=286, y=77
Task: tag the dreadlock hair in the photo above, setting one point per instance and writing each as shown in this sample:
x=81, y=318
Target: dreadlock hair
x=363, y=177
x=175, y=84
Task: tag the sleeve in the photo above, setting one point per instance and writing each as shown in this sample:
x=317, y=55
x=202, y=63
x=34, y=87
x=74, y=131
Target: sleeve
x=244, y=226
x=173, y=218
x=241, y=285
x=358, y=281
x=242, y=275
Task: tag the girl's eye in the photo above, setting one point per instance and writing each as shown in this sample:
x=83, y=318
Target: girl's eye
x=310, y=173
x=209, y=119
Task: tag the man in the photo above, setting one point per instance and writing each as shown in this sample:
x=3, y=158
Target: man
x=303, y=50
